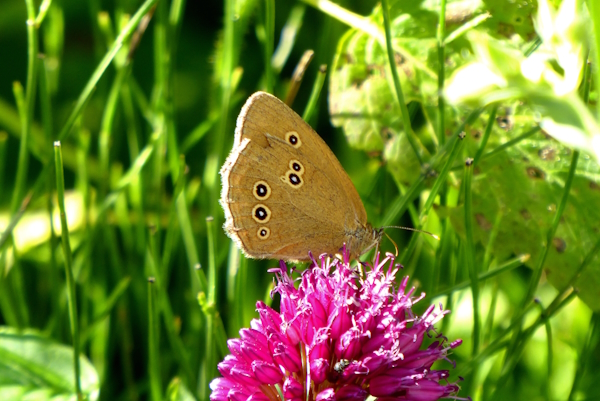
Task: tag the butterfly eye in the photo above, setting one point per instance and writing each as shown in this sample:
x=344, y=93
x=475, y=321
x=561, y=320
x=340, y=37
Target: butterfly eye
x=294, y=180
x=297, y=167
x=261, y=213
x=263, y=232
x=293, y=139
x=261, y=190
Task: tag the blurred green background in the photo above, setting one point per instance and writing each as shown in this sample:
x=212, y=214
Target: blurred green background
x=169, y=107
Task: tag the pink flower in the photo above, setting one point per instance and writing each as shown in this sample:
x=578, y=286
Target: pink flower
x=346, y=333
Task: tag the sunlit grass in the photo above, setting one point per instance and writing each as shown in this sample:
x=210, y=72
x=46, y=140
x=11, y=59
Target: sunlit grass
x=148, y=286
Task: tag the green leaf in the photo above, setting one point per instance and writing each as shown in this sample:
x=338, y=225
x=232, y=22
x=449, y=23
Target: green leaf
x=35, y=367
x=362, y=99
x=523, y=185
x=548, y=79
x=511, y=17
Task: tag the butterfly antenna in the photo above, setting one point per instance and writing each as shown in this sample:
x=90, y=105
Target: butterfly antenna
x=411, y=229
x=392, y=241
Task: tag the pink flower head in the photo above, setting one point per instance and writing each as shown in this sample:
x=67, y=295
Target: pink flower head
x=346, y=333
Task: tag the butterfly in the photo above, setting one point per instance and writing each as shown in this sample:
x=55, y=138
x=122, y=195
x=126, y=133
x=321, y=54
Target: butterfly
x=285, y=193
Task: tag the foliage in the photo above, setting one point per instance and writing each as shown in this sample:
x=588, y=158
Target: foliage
x=143, y=96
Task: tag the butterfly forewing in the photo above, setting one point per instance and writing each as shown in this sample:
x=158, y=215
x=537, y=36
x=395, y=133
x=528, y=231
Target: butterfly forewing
x=284, y=192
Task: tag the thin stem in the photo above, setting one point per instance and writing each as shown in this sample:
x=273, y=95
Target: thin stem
x=437, y=158
x=520, y=339
x=212, y=263
x=497, y=344
x=225, y=91
x=550, y=358
x=160, y=273
x=66, y=245
x=208, y=370
x=105, y=137
x=3, y=149
x=441, y=33
x=507, y=266
x=269, y=40
x=314, y=95
x=594, y=12
x=175, y=23
x=472, y=23
x=526, y=335
x=237, y=271
x=586, y=262
x=537, y=272
x=197, y=276
x=486, y=135
x=153, y=359
x=46, y=117
x=79, y=105
x=124, y=35
x=287, y=39
x=400, y=204
x=504, y=146
x=510, y=143
x=298, y=76
x=26, y=112
x=586, y=354
x=441, y=178
x=410, y=135
x=470, y=254
x=44, y=7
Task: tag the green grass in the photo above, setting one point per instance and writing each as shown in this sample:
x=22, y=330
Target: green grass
x=115, y=118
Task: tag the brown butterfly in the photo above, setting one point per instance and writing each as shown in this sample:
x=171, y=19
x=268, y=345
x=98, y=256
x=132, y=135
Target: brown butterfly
x=284, y=191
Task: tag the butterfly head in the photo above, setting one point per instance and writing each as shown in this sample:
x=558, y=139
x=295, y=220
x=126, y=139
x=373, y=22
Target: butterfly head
x=363, y=240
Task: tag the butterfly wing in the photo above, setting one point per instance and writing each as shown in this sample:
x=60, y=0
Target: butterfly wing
x=284, y=191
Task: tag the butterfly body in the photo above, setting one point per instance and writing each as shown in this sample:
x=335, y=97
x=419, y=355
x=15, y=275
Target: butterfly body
x=284, y=192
